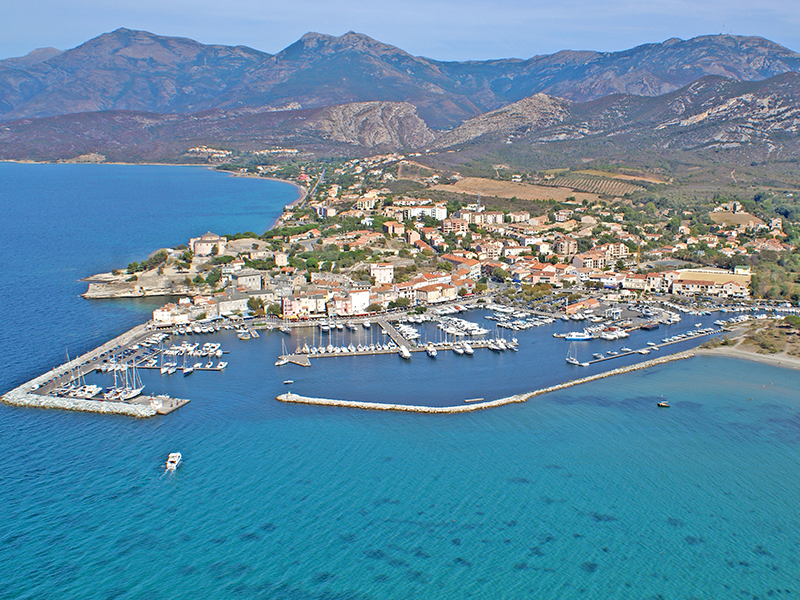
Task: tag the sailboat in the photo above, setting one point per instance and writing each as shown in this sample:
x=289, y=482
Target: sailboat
x=571, y=356
x=282, y=359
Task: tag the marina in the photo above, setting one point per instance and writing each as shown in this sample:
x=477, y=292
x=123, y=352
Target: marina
x=85, y=383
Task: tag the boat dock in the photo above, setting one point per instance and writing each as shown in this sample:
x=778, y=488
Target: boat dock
x=39, y=392
x=395, y=336
x=648, y=349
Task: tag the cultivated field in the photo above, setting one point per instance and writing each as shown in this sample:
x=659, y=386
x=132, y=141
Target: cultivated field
x=508, y=189
x=595, y=185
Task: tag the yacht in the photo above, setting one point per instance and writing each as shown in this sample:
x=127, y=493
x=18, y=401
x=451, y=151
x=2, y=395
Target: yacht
x=467, y=348
x=578, y=336
x=173, y=461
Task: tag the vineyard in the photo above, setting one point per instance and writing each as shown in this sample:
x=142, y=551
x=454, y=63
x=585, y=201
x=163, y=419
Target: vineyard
x=594, y=185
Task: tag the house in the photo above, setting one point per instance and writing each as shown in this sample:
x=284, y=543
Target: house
x=437, y=292
x=170, y=314
x=394, y=228
x=382, y=272
x=249, y=279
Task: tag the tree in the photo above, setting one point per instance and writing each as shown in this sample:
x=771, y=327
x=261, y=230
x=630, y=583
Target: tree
x=462, y=291
x=374, y=307
x=400, y=303
x=480, y=287
x=274, y=309
x=198, y=280
x=500, y=273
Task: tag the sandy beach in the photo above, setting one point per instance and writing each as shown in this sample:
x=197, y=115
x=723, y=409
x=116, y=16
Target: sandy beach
x=777, y=360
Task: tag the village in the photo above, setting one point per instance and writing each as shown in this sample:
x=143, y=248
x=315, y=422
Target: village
x=354, y=246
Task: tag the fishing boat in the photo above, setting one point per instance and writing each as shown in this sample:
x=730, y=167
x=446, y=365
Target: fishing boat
x=663, y=404
x=243, y=334
x=174, y=460
x=431, y=350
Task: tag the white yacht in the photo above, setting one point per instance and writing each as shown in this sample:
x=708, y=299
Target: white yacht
x=173, y=461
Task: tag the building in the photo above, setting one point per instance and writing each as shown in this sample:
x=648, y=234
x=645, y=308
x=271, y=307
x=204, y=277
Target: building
x=249, y=279
x=382, y=272
x=454, y=225
x=208, y=243
x=170, y=314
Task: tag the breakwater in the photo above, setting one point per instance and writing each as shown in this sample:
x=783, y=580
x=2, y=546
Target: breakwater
x=18, y=398
x=517, y=398
x=33, y=393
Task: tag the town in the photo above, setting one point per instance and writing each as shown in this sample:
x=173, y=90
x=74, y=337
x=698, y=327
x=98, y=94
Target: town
x=356, y=245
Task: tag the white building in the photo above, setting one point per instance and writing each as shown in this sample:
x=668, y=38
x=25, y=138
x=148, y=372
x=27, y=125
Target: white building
x=382, y=272
x=205, y=244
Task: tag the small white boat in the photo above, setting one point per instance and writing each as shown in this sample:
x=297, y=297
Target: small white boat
x=288, y=382
x=404, y=353
x=173, y=461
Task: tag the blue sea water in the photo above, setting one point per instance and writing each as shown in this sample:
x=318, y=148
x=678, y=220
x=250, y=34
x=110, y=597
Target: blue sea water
x=591, y=492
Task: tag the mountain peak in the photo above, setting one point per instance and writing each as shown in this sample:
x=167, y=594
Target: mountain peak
x=31, y=58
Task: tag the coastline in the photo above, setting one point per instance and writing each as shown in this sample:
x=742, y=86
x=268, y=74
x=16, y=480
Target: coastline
x=301, y=190
x=776, y=360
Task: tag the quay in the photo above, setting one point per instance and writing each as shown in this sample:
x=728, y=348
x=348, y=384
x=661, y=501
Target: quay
x=471, y=407
x=34, y=393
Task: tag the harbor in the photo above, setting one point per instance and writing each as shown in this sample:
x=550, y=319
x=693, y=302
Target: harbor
x=450, y=340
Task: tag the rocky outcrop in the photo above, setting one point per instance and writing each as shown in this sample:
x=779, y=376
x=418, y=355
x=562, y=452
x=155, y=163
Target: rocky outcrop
x=392, y=125
x=530, y=114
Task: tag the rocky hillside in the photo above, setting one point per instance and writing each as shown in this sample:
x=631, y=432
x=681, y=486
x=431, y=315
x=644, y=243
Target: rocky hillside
x=140, y=71
x=129, y=136
x=750, y=120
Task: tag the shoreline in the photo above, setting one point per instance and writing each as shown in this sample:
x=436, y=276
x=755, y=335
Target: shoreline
x=776, y=360
x=302, y=190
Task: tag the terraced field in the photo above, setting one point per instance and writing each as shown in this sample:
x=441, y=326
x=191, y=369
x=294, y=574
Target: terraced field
x=595, y=185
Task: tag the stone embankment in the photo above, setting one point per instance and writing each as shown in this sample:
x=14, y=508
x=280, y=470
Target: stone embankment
x=24, y=396
x=106, y=290
x=18, y=398
x=297, y=399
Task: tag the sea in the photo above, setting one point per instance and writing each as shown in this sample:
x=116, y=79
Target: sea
x=589, y=492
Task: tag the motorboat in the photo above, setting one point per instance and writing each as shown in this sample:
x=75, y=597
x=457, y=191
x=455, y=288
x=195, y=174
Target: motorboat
x=404, y=353
x=663, y=404
x=431, y=350
x=173, y=461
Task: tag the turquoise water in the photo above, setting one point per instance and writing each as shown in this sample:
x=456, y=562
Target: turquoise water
x=592, y=492
x=65, y=222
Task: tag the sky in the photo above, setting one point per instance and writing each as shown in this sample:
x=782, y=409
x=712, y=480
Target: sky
x=439, y=29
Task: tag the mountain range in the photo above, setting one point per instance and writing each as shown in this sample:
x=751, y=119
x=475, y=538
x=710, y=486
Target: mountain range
x=133, y=95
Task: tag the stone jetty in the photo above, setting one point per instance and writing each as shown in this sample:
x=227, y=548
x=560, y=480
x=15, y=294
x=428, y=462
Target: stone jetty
x=297, y=399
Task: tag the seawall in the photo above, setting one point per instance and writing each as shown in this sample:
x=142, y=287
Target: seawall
x=297, y=399
x=24, y=396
